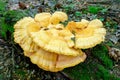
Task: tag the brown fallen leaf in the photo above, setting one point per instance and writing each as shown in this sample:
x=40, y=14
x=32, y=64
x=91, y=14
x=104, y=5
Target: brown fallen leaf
x=40, y=9
x=114, y=53
x=22, y=5
x=58, y=6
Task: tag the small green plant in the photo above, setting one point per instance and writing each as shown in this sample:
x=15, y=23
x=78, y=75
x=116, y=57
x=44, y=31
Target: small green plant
x=20, y=73
x=93, y=9
x=69, y=7
x=96, y=9
x=7, y=20
x=111, y=24
x=78, y=14
x=104, y=10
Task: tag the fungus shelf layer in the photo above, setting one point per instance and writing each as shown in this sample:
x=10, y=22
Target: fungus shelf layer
x=51, y=45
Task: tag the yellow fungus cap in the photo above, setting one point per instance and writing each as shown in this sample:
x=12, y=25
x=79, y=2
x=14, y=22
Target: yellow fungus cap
x=69, y=61
x=96, y=23
x=71, y=26
x=54, y=62
x=45, y=60
x=57, y=17
x=90, y=41
x=57, y=26
x=82, y=24
x=87, y=33
x=76, y=26
x=22, y=31
x=55, y=41
x=43, y=18
x=91, y=36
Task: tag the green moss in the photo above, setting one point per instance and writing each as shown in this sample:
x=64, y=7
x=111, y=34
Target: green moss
x=95, y=67
x=97, y=9
x=101, y=53
x=93, y=9
x=105, y=74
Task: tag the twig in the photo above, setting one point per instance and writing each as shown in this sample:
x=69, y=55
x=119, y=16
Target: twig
x=103, y=2
x=81, y=5
x=13, y=62
x=65, y=75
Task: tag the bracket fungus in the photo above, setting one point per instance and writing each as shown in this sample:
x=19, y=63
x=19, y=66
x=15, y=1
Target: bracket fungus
x=43, y=19
x=54, y=62
x=22, y=31
x=52, y=40
x=87, y=33
x=50, y=45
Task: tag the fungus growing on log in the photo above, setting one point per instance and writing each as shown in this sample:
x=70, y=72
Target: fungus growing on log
x=51, y=45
